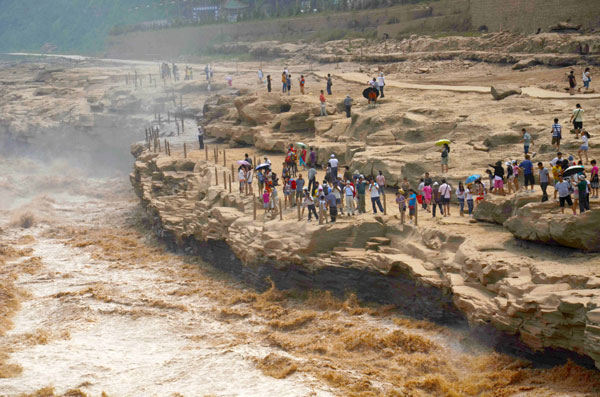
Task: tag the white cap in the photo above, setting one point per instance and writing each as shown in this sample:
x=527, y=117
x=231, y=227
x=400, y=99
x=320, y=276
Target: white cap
x=435, y=184
x=332, y=155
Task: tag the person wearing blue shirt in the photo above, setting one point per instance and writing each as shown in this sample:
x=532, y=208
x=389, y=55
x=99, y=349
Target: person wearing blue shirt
x=527, y=167
x=412, y=204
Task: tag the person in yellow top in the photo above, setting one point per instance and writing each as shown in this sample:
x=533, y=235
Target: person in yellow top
x=284, y=81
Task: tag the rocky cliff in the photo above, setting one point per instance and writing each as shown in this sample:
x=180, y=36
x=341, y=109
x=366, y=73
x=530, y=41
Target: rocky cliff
x=439, y=271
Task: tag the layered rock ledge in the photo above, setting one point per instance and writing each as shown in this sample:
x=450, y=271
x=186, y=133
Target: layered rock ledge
x=441, y=271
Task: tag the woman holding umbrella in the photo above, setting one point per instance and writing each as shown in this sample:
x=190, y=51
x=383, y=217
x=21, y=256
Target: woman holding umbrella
x=371, y=93
x=445, y=153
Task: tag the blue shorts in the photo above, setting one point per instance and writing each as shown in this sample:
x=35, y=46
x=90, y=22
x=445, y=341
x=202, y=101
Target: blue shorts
x=586, y=84
x=526, y=149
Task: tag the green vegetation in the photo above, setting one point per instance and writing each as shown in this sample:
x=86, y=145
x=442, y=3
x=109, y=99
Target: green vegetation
x=70, y=25
x=82, y=26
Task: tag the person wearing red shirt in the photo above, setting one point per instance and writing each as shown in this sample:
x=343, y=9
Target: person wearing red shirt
x=323, y=104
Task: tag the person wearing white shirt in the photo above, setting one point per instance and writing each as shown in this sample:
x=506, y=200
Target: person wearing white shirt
x=249, y=175
x=585, y=145
x=349, y=193
x=381, y=84
x=446, y=193
x=333, y=163
x=375, y=199
x=242, y=179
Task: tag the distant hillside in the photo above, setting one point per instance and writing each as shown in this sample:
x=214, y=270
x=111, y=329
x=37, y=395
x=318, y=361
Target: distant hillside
x=70, y=25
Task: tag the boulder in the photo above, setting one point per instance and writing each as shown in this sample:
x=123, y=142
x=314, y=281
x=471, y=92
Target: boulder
x=497, y=209
x=501, y=92
x=524, y=63
x=540, y=223
x=502, y=138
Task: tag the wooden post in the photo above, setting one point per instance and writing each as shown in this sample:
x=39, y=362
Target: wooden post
x=224, y=159
x=159, y=119
x=154, y=83
x=216, y=155
x=298, y=206
x=206, y=151
x=254, y=205
x=177, y=128
x=246, y=187
x=216, y=177
x=229, y=183
x=232, y=169
x=128, y=77
x=254, y=164
x=181, y=100
x=417, y=212
x=224, y=180
x=169, y=117
x=280, y=212
x=158, y=145
x=184, y=151
x=182, y=126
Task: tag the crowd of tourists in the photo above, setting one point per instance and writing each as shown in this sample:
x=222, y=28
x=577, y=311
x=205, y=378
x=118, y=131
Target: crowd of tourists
x=342, y=192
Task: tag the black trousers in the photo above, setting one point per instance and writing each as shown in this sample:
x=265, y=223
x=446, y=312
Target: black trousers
x=332, y=213
x=201, y=141
x=348, y=109
x=311, y=184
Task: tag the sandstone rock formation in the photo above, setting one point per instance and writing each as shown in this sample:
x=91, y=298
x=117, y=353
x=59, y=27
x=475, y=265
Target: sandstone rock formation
x=548, y=302
x=537, y=222
x=501, y=92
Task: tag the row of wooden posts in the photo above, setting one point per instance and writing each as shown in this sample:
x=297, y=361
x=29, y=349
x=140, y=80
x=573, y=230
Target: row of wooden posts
x=137, y=80
x=152, y=136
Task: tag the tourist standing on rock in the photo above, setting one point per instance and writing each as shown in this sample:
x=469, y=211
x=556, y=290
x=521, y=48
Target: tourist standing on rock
x=375, y=197
x=582, y=188
x=595, y=179
x=247, y=159
x=200, y=136
x=585, y=145
x=302, y=158
x=412, y=205
x=323, y=104
x=437, y=199
x=302, y=83
x=572, y=82
x=260, y=177
x=556, y=134
x=446, y=194
x=381, y=84
x=309, y=203
x=333, y=163
x=288, y=81
x=274, y=198
x=266, y=197
x=312, y=177
x=586, y=78
x=323, y=207
x=332, y=205
x=544, y=180
x=312, y=157
x=401, y=202
x=373, y=83
x=527, y=167
x=577, y=120
x=527, y=140
x=299, y=186
x=242, y=178
x=260, y=76
x=361, y=190
x=460, y=196
x=348, y=105
x=498, y=178
x=249, y=177
x=337, y=192
x=510, y=176
x=284, y=82
x=349, y=194
x=293, y=188
x=563, y=187
x=268, y=83
x=206, y=72
x=469, y=198
x=445, y=157
x=427, y=196
x=329, y=84
x=380, y=179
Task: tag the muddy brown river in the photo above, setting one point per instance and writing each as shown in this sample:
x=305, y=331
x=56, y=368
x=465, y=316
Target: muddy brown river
x=93, y=304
